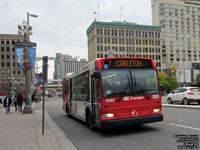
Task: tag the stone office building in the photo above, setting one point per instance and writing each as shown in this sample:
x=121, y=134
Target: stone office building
x=10, y=72
x=125, y=39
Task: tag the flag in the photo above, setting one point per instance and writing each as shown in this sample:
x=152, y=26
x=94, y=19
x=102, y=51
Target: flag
x=94, y=12
x=20, y=56
x=31, y=57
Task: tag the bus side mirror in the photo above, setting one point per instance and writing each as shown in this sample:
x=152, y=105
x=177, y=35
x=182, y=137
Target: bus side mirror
x=97, y=75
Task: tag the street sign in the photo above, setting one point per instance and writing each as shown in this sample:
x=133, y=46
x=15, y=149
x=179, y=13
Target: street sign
x=23, y=44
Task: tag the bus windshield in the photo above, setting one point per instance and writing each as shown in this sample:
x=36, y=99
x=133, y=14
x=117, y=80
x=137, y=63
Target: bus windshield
x=129, y=82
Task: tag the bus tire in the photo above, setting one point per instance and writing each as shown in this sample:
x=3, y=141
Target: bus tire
x=90, y=121
x=67, y=111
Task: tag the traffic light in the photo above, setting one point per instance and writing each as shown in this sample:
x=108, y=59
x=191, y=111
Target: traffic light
x=45, y=69
x=172, y=69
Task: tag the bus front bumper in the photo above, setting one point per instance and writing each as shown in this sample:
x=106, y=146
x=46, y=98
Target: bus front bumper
x=130, y=121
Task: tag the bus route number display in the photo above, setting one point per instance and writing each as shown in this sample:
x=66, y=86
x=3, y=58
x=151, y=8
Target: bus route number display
x=127, y=63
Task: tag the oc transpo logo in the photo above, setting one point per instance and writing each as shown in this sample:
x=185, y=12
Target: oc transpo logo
x=134, y=113
x=133, y=98
x=126, y=98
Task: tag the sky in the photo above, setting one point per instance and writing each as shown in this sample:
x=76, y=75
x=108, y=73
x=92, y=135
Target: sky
x=61, y=24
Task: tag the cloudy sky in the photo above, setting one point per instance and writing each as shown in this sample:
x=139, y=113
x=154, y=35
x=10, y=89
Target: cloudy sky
x=61, y=24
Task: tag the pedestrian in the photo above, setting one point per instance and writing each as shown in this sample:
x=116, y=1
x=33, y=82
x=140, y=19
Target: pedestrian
x=7, y=102
x=0, y=101
x=15, y=102
x=20, y=100
x=33, y=96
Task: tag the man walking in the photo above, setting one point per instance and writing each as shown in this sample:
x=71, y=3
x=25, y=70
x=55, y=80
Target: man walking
x=20, y=100
x=7, y=102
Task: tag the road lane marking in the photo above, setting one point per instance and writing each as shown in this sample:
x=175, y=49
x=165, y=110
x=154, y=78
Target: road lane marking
x=184, y=126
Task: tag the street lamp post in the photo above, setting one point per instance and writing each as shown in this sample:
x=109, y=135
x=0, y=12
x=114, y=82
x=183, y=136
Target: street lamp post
x=27, y=31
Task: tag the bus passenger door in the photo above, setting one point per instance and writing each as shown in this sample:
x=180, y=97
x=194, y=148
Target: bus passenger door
x=95, y=99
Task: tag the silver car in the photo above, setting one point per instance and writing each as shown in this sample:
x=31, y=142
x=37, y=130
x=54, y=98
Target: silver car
x=185, y=95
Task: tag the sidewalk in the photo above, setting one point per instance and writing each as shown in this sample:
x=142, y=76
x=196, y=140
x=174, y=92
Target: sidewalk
x=24, y=132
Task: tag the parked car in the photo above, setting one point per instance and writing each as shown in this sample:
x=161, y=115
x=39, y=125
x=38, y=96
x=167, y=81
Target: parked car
x=185, y=95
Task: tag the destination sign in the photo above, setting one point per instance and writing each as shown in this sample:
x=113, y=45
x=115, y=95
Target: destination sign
x=127, y=63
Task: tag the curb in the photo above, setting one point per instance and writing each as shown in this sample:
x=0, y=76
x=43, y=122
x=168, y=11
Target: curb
x=64, y=142
x=181, y=106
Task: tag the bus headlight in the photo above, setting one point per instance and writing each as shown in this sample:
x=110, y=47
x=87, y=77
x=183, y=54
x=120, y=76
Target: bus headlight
x=109, y=115
x=156, y=110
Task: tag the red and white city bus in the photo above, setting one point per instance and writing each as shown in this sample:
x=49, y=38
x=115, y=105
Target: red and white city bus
x=114, y=92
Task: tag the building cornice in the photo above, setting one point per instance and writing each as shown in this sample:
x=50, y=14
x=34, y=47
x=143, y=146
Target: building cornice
x=123, y=25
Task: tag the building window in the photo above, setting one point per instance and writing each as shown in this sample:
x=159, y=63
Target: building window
x=8, y=42
x=97, y=31
x=2, y=64
x=108, y=32
x=105, y=31
x=13, y=42
x=115, y=32
x=8, y=56
x=18, y=72
x=2, y=56
x=101, y=32
x=2, y=41
x=112, y=32
x=8, y=78
x=8, y=49
x=8, y=71
x=2, y=78
x=2, y=48
x=2, y=71
x=8, y=64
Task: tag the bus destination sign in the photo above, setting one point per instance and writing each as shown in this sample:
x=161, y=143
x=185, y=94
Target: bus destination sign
x=127, y=63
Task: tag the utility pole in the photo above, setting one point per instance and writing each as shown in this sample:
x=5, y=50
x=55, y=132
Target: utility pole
x=44, y=80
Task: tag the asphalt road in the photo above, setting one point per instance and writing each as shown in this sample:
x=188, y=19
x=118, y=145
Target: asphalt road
x=156, y=136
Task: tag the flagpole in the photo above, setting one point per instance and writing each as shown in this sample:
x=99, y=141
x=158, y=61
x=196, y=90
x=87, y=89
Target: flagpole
x=98, y=12
x=120, y=13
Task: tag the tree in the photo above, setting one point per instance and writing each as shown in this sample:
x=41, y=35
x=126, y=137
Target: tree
x=198, y=79
x=170, y=83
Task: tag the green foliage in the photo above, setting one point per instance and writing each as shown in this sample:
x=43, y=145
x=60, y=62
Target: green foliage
x=198, y=79
x=170, y=83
